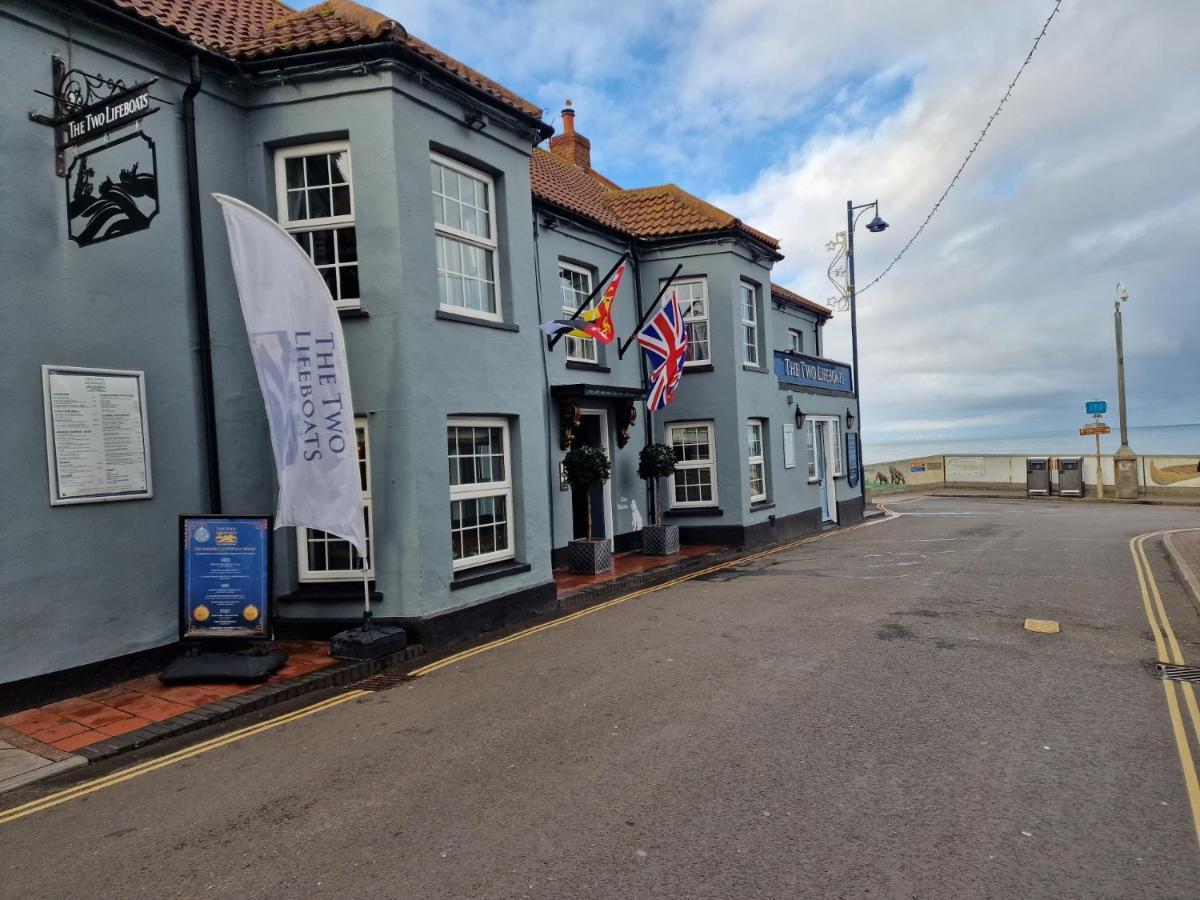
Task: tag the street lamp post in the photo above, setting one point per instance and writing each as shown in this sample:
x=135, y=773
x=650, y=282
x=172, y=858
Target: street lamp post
x=1124, y=460
x=874, y=226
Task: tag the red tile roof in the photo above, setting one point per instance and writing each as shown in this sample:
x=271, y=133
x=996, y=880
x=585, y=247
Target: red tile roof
x=654, y=212
x=566, y=186
x=329, y=24
x=213, y=24
x=795, y=299
x=256, y=29
x=497, y=90
x=668, y=210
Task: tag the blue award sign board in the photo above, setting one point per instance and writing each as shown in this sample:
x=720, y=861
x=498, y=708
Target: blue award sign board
x=1096, y=407
x=225, y=577
x=853, y=464
x=801, y=370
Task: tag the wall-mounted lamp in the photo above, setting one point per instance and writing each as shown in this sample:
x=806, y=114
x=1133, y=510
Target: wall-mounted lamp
x=476, y=120
x=799, y=417
x=849, y=418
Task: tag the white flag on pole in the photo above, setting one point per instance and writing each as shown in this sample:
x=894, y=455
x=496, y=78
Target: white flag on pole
x=296, y=340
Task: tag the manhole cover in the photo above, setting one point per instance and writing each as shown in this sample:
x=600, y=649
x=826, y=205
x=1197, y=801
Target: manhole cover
x=382, y=681
x=1175, y=672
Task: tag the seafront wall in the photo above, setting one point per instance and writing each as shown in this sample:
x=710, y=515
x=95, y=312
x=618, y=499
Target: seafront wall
x=1175, y=476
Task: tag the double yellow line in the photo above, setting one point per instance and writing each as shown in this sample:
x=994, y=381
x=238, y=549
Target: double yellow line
x=107, y=781
x=98, y=784
x=1164, y=639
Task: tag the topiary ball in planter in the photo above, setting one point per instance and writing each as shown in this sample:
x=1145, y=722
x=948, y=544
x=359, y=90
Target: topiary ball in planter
x=585, y=466
x=657, y=461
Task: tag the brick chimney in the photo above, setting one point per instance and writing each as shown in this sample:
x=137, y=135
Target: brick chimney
x=571, y=146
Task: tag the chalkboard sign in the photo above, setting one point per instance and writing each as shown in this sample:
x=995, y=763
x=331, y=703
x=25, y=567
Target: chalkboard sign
x=853, y=463
x=225, y=576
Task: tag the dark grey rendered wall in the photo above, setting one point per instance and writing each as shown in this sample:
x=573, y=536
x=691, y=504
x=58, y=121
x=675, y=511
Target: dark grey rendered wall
x=410, y=370
x=87, y=582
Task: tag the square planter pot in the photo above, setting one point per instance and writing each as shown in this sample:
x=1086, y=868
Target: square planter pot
x=660, y=540
x=590, y=557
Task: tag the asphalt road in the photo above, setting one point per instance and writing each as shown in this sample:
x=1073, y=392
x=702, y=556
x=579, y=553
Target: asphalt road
x=862, y=716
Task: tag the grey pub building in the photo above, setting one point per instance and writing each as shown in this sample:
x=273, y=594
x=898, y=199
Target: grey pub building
x=448, y=221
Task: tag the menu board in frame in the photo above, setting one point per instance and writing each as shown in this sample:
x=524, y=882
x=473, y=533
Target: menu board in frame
x=225, y=576
x=97, y=435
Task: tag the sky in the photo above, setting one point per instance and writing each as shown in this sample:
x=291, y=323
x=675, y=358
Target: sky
x=999, y=319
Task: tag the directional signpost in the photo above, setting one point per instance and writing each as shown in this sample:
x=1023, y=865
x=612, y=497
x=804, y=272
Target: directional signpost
x=1095, y=409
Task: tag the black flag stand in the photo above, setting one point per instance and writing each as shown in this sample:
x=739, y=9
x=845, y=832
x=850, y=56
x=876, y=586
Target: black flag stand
x=590, y=297
x=624, y=345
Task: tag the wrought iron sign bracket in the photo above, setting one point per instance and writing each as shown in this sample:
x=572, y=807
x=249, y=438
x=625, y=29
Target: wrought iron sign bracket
x=87, y=107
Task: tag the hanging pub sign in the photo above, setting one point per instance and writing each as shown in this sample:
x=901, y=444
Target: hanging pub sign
x=90, y=122
x=801, y=370
x=112, y=184
x=225, y=576
x=112, y=190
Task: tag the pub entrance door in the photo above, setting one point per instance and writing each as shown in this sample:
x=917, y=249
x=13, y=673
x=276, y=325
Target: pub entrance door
x=593, y=432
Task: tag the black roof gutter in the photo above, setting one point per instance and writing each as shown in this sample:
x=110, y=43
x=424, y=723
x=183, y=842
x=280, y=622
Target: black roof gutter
x=391, y=50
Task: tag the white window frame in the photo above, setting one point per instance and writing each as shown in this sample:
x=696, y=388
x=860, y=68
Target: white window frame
x=307, y=575
x=710, y=463
x=794, y=333
x=298, y=226
x=810, y=450
x=705, y=318
x=487, y=489
x=491, y=243
x=574, y=343
x=835, y=440
x=753, y=459
x=750, y=350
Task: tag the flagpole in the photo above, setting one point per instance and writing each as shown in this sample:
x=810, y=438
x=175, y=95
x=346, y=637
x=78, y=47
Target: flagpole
x=366, y=597
x=623, y=346
x=590, y=297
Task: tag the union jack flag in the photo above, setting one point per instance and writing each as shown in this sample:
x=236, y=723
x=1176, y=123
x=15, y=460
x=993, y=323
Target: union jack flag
x=665, y=341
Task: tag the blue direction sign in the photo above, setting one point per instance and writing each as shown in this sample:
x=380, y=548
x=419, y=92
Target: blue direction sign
x=1096, y=407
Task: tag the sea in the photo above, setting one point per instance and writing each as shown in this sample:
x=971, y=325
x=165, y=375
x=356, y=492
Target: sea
x=1146, y=440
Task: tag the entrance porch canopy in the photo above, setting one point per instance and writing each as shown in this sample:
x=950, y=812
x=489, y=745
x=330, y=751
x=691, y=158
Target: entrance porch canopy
x=606, y=391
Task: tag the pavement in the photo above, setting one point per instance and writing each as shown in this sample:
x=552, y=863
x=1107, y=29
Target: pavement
x=1184, y=550
x=132, y=714
x=23, y=761
x=860, y=715
x=136, y=713
x=78, y=722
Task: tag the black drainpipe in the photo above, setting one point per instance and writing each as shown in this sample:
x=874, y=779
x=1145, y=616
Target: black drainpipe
x=200, y=289
x=551, y=469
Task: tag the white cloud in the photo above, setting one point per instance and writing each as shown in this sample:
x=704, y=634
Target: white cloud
x=1001, y=312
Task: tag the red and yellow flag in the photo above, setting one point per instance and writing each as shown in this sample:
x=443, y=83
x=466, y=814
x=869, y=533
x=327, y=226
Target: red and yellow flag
x=596, y=323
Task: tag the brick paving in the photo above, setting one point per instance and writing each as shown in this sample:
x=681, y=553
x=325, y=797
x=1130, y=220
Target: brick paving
x=68, y=725
x=625, y=564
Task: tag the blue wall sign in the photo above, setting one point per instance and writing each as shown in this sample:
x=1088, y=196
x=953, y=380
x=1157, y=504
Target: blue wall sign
x=853, y=463
x=812, y=371
x=225, y=576
x=1096, y=407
